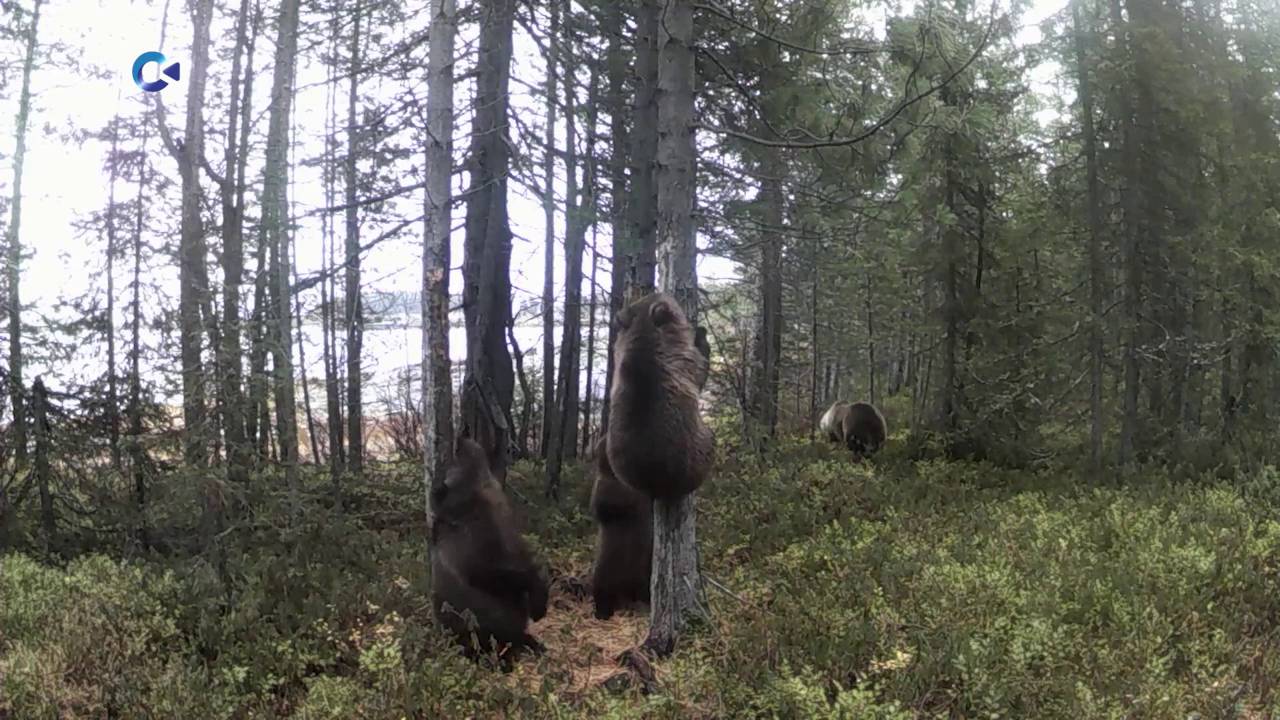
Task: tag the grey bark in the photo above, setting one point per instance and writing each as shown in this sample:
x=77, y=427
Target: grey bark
x=13, y=267
x=642, y=263
x=137, y=456
x=42, y=470
x=354, y=306
x=489, y=383
x=191, y=250
x=1131, y=249
x=618, y=205
x=437, y=379
x=549, y=235
x=1096, y=271
x=113, y=391
x=676, y=585
x=275, y=224
x=239, y=453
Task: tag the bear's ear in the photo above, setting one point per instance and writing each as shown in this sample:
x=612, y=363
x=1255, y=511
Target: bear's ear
x=468, y=452
x=622, y=320
x=661, y=313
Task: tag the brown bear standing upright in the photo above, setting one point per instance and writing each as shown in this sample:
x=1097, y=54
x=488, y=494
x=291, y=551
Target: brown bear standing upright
x=624, y=547
x=485, y=584
x=859, y=426
x=657, y=442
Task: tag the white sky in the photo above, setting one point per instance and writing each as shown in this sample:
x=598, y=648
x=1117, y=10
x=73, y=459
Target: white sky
x=65, y=181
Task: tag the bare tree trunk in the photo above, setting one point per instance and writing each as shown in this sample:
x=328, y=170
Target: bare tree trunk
x=275, y=219
x=618, y=208
x=1132, y=272
x=642, y=265
x=489, y=385
x=189, y=153
x=437, y=377
x=564, y=438
x=871, y=338
x=113, y=392
x=44, y=476
x=676, y=584
x=948, y=418
x=328, y=289
x=767, y=346
x=239, y=452
x=575, y=246
x=591, y=343
x=355, y=309
x=14, y=259
x=549, y=234
x=137, y=456
x=258, y=419
x=526, y=392
x=1096, y=270
x=302, y=376
x=813, y=340
x=308, y=413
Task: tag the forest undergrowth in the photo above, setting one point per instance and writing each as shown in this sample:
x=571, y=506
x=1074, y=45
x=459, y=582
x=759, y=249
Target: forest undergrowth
x=897, y=588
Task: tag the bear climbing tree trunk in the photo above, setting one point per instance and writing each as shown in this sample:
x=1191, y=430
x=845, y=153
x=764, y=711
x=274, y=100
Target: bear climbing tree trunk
x=676, y=583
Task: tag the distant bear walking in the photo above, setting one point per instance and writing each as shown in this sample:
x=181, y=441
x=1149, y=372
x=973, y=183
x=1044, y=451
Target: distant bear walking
x=483, y=577
x=859, y=426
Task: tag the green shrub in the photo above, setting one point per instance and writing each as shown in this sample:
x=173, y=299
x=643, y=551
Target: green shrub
x=888, y=589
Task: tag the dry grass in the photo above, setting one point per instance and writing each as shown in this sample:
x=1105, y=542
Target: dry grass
x=582, y=652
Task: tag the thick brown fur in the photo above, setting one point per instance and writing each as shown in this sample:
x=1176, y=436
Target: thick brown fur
x=832, y=421
x=624, y=546
x=657, y=442
x=485, y=584
x=858, y=426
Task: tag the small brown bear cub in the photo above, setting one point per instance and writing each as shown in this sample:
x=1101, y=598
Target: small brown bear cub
x=657, y=442
x=860, y=427
x=485, y=584
x=624, y=547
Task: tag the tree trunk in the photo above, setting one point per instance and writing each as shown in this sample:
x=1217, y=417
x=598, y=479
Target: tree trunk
x=591, y=343
x=676, y=585
x=258, y=418
x=239, y=452
x=1130, y=260
x=437, y=377
x=489, y=384
x=642, y=264
x=113, y=392
x=302, y=374
x=191, y=250
x=274, y=219
x=815, y=345
x=43, y=474
x=1096, y=270
x=948, y=418
x=767, y=346
x=328, y=289
x=549, y=235
x=14, y=259
x=871, y=338
x=618, y=208
x=137, y=456
x=354, y=309
x=564, y=437
x=526, y=392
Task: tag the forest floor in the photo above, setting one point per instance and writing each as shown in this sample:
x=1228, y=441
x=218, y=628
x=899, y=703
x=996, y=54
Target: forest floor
x=897, y=588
